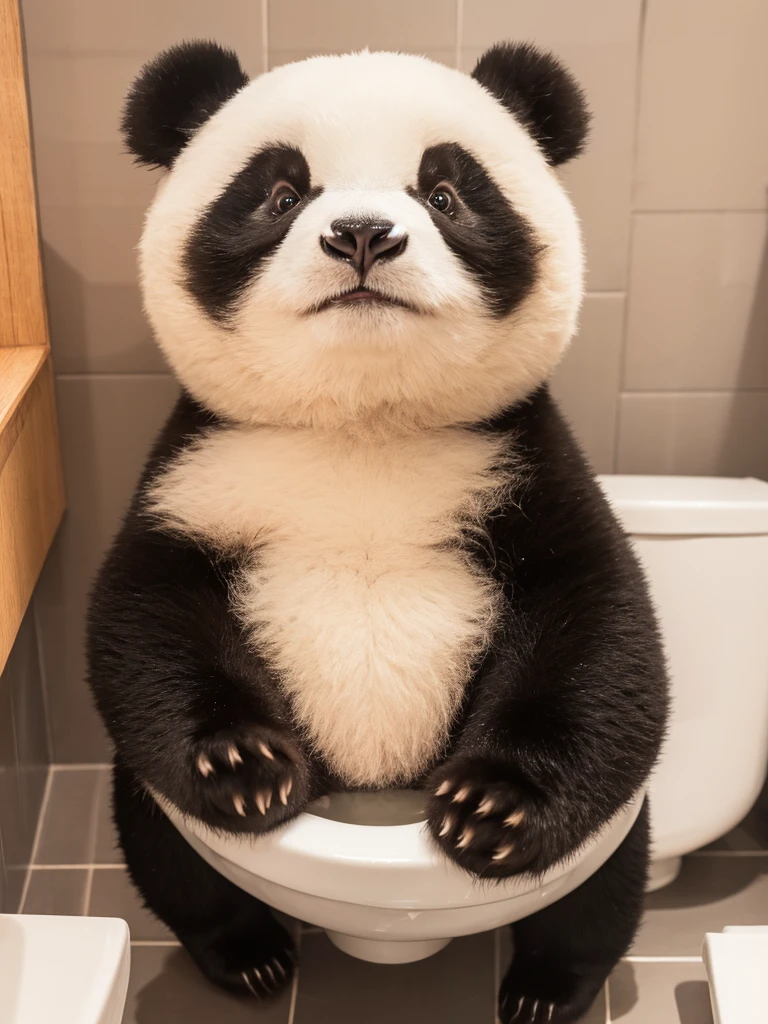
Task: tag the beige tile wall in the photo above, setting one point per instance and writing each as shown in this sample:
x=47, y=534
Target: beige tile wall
x=670, y=371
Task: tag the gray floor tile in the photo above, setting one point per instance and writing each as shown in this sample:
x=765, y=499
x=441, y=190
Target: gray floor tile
x=167, y=988
x=106, y=850
x=710, y=893
x=455, y=986
x=113, y=895
x=660, y=993
x=68, y=833
x=56, y=892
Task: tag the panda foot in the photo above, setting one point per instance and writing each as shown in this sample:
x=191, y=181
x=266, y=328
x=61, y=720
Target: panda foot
x=484, y=820
x=248, y=778
x=257, y=960
x=545, y=994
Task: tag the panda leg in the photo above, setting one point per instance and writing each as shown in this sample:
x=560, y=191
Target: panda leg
x=232, y=937
x=564, y=953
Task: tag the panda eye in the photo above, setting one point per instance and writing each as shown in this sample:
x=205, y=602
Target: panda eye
x=284, y=198
x=443, y=199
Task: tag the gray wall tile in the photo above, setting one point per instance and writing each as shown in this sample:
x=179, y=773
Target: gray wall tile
x=57, y=892
x=341, y=25
x=107, y=426
x=586, y=383
x=707, y=434
x=77, y=26
x=24, y=759
x=704, y=83
x=698, y=302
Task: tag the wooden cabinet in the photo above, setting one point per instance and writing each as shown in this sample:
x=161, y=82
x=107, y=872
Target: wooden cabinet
x=31, y=482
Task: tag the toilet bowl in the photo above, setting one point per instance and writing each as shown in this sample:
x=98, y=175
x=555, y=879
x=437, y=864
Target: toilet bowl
x=703, y=543
x=67, y=970
x=361, y=865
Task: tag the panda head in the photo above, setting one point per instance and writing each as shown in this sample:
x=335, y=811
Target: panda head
x=364, y=238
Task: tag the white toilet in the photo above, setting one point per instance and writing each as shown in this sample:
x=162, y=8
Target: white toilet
x=361, y=866
x=67, y=970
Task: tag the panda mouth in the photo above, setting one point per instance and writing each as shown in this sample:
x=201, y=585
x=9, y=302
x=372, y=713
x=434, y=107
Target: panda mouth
x=360, y=298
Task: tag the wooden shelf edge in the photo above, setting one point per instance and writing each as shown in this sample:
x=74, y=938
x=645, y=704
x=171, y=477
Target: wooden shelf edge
x=31, y=487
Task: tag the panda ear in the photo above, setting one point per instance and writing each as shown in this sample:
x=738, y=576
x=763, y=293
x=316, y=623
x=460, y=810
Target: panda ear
x=175, y=94
x=545, y=98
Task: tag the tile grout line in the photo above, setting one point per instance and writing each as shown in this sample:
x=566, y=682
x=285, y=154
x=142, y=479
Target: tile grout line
x=607, y=989
x=76, y=867
x=496, y=972
x=661, y=960
x=36, y=841
x=80, y=767
x=88, y=891
x=459, y=32
x=264, y=36
x=728, y=853
x=156, y=943
x=295, y=983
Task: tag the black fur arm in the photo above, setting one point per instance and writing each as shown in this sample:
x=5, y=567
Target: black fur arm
x=567, y=713
x=188, y=704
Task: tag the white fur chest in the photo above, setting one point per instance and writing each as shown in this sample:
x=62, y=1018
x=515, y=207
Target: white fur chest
x=358, y=591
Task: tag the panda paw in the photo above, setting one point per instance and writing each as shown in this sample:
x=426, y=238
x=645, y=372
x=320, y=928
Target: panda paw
x=248, y=778
x=487, y=822
x=536, y=992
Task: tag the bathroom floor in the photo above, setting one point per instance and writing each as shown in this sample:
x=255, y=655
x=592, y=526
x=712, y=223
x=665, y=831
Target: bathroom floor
x=77, y=870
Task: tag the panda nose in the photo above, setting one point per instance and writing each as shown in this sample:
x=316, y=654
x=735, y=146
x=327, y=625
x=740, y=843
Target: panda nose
x=361, y=242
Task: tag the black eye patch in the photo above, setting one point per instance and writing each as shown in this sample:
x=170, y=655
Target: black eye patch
x=493, y=241
x=239, y=230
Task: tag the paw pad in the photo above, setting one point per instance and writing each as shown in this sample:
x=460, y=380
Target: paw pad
x=250, y=773
x=484, y=822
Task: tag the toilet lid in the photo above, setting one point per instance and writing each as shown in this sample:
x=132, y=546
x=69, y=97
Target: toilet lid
x=394, y=866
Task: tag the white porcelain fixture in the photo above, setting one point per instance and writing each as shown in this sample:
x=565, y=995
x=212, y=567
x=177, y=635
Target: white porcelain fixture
x=67, y=970
x=738, y=983
x=703, y=542
x=361, y=866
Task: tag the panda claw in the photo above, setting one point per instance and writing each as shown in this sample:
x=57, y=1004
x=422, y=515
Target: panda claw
x=285, y=792
x=204, y=766
x=239, y=803
x=264, y=748
x=503, y=852
x=444, y=788
x=514, y=819
x=466, y=838
x=233, y=754
x=485, y=807
x=462, y=795
x=447, y=826
x=261, y=802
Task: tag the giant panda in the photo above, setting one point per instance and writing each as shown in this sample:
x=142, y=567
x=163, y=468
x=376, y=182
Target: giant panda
x=366, y=551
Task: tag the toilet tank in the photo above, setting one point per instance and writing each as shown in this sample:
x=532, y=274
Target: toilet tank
x=703, y=542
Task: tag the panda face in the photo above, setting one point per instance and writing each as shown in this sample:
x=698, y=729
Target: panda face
x=361, y=238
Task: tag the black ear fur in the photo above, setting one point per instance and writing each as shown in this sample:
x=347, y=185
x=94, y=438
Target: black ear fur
x=175, y=94
x=537, y=89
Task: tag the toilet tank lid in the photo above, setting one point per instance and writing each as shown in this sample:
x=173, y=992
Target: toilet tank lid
x=692, y=505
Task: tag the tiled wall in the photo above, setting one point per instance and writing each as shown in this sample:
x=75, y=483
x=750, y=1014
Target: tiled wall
x=670, y=371
x=24, y=760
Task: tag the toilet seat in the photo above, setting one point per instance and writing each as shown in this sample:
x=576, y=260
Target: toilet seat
x=393, y=866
